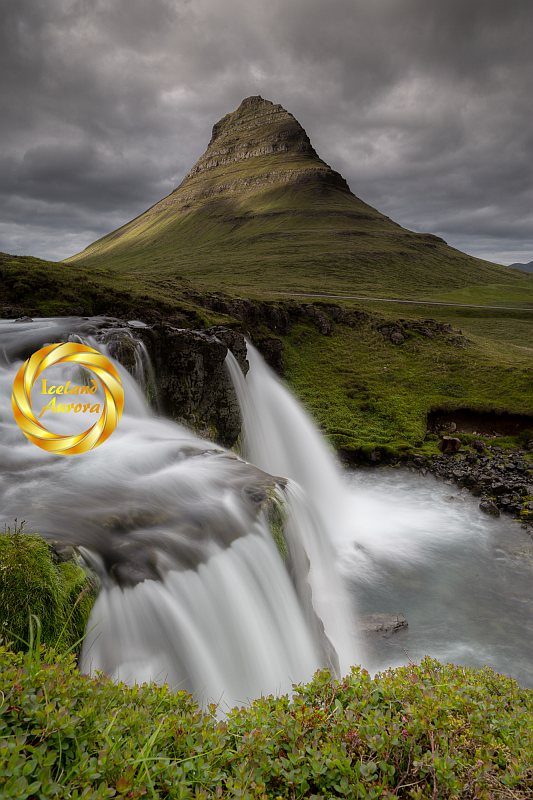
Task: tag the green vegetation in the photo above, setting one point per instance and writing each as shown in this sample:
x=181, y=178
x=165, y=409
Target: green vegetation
x=37, y=592
x=367, y=392
x=431, y=731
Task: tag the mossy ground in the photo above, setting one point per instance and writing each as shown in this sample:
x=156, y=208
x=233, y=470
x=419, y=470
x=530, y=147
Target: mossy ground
x=35, y=588
x=367, y=392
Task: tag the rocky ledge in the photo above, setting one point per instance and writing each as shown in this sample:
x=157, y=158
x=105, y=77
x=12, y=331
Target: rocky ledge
x=502, y=479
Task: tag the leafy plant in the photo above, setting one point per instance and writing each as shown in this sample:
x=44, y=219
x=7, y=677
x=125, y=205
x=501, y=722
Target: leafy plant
x=430, y=731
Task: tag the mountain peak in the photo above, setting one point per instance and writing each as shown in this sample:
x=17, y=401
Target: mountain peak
x=260, y=205
x=257, y=128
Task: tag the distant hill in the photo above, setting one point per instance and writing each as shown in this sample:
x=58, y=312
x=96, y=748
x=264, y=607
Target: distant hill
x=261, y=211
x=523, y=267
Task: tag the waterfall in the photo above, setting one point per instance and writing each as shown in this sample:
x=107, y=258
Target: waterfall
x=279, y=437
x=194, y=591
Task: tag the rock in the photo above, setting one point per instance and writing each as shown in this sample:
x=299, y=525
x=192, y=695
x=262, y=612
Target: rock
x=62, y=552
x=382, y=623
x=449, y=445
x=397, y=337
x=499, y=489
x=489, y=507
x=272, y=351
x=193, y=384
x=319, y=318
x=448, y=427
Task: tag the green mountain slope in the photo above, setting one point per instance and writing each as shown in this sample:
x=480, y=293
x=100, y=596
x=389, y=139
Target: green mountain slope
x=260, y=211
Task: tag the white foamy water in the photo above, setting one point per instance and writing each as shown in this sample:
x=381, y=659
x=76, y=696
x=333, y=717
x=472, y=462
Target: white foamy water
x=463, y=580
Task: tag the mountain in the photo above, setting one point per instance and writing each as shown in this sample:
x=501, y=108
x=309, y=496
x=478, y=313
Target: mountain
x=261, y=211
x=523, y=267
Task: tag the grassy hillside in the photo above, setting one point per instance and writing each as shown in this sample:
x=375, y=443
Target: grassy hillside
x=368, y=392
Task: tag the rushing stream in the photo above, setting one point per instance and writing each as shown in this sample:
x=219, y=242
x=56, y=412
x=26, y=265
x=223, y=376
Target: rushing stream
x=194, y=590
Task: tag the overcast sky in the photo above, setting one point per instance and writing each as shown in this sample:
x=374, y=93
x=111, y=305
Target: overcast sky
x=423, y=105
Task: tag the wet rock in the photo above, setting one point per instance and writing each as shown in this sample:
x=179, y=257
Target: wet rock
x=499, y=489
x=272, y=351
x=489, y=507
x=503, y=477
x=62, y=552
x=385, y=624
x=449, y=444
x=193, y=384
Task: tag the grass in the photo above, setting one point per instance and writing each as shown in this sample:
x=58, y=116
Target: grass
x=429, y=731
x=33, y=586
x=288, y=240
x=367, y=392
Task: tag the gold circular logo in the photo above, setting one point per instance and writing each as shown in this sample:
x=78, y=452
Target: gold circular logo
x=84, y=356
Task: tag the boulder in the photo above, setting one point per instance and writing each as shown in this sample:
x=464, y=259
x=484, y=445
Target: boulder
x=488, y=506
x=449, y=445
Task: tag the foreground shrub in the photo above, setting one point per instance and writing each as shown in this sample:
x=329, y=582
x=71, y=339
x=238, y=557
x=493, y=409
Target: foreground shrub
x=34, y=590
x=431, y=731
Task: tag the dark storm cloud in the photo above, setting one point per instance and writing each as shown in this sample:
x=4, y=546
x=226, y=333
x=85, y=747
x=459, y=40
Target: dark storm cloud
x=422, y=105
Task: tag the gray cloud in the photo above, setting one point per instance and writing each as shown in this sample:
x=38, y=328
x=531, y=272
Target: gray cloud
x=422, y=105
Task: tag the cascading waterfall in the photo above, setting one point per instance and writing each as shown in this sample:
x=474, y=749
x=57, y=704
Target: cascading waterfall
x=194, y=591
x=279, y=437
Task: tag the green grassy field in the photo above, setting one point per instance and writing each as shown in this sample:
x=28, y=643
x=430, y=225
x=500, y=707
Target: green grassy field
x=366, y=391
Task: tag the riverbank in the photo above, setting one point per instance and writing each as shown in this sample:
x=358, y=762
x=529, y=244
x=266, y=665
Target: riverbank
x=501, y=478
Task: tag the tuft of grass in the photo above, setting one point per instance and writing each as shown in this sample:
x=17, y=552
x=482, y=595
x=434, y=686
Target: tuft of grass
x=34, y=590
x=430, y=731
x=276, y=517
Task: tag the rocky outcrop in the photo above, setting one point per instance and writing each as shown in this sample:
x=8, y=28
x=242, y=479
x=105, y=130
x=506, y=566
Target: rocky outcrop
x=192, y=382
x=399, y=331
x=257, y=128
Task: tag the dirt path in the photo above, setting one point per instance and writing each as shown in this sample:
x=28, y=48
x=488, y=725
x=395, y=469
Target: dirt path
x=405, y=302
